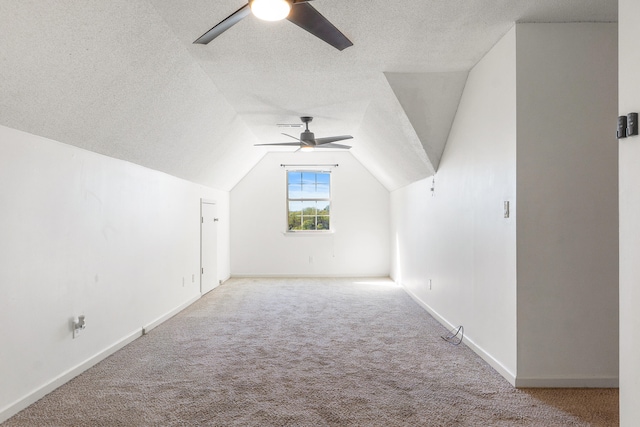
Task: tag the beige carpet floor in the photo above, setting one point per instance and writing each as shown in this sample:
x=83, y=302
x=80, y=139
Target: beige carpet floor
x=306, y=352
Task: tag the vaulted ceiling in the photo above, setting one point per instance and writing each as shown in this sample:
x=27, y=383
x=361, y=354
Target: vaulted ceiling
x=122, y=78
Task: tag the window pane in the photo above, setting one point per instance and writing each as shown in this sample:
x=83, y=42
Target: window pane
x=322, y=191
x=323, y=222
x=309, y=207
x=309, y=223
x=295, y=191
x=308, y=185
x=295, y=185
x=323, y=208
x=322, y=186
x=295, y=221
x=294, y=177
x=295, y=215
x=295, y=207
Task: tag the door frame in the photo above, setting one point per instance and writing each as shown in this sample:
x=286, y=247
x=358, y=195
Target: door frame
x=206, y=202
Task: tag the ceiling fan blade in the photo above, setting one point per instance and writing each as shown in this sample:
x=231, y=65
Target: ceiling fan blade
x=331, y=145
x=224, y=25
x=288, y=144
x=306, y=17
x=291, y=136
x=327, y=140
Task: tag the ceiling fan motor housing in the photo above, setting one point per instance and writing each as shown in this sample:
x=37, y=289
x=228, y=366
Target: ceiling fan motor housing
x=308, y=137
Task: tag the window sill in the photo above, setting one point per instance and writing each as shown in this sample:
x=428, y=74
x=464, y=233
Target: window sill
x=307, y=233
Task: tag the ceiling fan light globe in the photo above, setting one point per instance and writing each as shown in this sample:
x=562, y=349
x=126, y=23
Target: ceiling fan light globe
x=270, y=10
x=306, y=149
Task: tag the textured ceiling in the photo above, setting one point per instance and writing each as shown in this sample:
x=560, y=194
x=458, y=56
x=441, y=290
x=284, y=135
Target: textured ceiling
x=123, y=78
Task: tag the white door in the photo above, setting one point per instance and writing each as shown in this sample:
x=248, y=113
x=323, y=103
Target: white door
x=208, y=247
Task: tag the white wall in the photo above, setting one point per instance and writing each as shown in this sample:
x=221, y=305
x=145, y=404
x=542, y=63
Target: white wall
x=86, y=234
x=459, y=238
x=537, y=292
x=359, y=245
x=567, y=223
x=629, y=158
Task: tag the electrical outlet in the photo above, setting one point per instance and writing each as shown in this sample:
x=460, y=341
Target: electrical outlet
x=77, y=325
x=429, y=284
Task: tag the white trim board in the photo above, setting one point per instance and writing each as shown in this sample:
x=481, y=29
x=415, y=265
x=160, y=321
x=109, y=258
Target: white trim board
x=168, y=315
x=599, y=382
x=310, y=276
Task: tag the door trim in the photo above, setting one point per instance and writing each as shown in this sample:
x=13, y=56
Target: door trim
x=203, y=202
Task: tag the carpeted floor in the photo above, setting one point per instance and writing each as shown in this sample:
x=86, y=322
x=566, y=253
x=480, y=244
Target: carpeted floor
x=306, y=352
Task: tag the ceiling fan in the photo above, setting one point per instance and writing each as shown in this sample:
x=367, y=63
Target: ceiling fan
x=300, y=12
x=308, y=142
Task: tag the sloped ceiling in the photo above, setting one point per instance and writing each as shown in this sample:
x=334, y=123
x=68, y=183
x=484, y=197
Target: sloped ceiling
x=430, y=101
x=122, y=78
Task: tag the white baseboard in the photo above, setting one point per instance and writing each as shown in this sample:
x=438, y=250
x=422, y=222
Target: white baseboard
x=518, y=381
x=495, y=364
x=603, y=382
x=311, y=276
x=12, y=409
x=168, y=315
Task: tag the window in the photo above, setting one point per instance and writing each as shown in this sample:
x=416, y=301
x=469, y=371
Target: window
x=308, y=200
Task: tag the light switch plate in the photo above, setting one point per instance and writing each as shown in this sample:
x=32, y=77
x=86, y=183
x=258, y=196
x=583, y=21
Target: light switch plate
x=622, y=127
x=632, y=124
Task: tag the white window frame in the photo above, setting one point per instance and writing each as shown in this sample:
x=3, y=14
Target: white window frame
x=315, y=171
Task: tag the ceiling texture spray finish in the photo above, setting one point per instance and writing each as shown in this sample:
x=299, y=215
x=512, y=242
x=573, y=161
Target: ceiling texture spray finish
x=123, y=78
